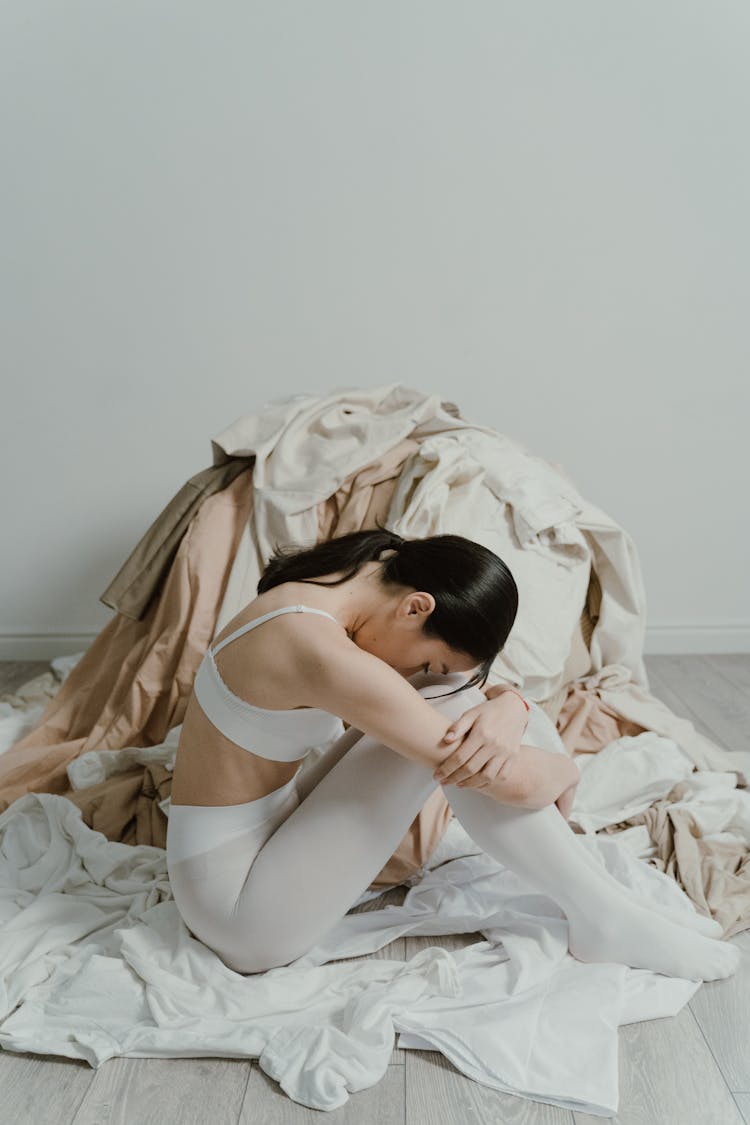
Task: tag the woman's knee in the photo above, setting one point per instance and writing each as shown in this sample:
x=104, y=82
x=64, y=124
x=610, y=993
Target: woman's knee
x=247, y=963
x=246, y=944
x=269, y=951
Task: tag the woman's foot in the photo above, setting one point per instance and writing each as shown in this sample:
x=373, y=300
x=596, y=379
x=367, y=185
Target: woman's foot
x=629, y=934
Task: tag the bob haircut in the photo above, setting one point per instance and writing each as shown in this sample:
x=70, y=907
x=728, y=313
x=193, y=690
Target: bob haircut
x=476, y=597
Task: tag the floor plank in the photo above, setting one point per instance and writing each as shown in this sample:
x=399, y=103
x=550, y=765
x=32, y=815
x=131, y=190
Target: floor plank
x=734, y=667
x=722, y=1009
x=15, y=673
x=714, y=704
x=41, y=1089
x=436, y=1091
x=668, y=1075
x=154, y=1091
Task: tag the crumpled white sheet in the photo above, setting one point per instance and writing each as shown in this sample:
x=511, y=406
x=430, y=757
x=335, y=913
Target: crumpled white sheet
x=626, y=776
x=96, y=962
x=630, y=773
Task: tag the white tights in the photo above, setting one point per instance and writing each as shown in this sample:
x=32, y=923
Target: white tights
x=267, y=896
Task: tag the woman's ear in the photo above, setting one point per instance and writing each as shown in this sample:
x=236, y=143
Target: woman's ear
x=421, y=602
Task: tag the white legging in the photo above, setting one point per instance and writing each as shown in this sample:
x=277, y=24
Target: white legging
x=269, y=893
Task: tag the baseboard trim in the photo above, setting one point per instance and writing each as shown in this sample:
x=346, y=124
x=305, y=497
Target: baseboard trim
x=675, y=640
x=659, y=640
x=42, y=646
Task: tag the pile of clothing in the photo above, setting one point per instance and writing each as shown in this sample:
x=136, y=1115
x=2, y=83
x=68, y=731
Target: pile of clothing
x=85, y=780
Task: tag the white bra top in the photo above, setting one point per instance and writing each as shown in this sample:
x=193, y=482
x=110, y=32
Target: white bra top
x=281, y=735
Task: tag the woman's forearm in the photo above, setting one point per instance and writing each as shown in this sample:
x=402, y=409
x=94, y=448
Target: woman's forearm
x=533, y=778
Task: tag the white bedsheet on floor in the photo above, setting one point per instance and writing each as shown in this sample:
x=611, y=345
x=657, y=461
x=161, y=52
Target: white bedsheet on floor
x=96, y=962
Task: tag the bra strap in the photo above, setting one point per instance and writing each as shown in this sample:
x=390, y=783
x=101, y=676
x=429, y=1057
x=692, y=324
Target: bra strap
x=266, y=617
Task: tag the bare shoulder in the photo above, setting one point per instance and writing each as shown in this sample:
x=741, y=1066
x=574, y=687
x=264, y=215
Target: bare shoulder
x=270, y=661
x=317, y=641
x=288, y=596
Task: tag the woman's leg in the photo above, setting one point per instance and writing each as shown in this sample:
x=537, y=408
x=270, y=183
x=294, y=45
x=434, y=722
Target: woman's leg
x=315, y=772
x=328, y=850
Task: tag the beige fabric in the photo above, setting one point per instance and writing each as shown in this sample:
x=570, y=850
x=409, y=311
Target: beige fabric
x=132, y=685
x=586, y=724
x=577, y=664
x=363, y=500
x=126, y=807
x=140, y=576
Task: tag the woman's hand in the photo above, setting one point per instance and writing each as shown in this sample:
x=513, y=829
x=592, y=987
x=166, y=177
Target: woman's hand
x=491, y=734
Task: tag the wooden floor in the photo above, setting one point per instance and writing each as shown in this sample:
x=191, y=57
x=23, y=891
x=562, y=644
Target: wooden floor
x=690, y=1069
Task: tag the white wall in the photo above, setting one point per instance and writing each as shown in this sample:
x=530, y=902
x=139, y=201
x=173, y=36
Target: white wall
x=538, y=210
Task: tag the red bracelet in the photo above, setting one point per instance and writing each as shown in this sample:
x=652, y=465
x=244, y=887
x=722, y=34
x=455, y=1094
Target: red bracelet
x=518, y=694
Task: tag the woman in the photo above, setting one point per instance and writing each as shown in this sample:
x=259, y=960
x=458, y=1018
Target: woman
x=361, y=629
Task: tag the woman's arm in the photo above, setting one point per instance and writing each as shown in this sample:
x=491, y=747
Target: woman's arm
x=336, y=675
x=544, y=778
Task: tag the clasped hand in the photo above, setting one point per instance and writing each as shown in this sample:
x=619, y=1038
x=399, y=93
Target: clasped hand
x=491, y=734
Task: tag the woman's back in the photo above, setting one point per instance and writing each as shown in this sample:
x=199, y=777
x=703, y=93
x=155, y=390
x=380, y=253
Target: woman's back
x=254, y=673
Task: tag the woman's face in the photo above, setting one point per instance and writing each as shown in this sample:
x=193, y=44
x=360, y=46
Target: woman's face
x=395, y=635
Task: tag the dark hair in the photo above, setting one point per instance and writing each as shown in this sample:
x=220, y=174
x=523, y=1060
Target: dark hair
x=476, y=597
